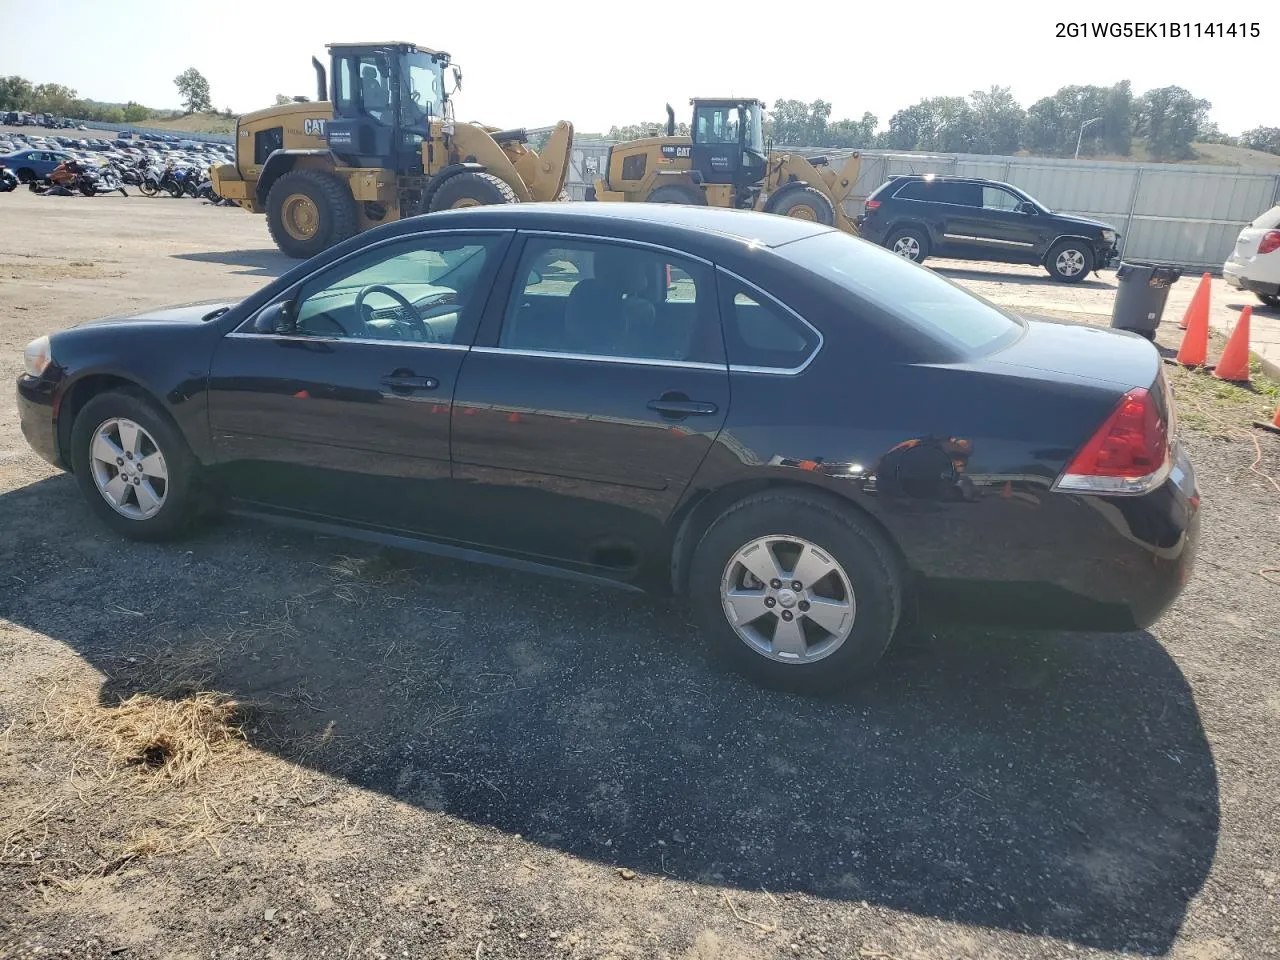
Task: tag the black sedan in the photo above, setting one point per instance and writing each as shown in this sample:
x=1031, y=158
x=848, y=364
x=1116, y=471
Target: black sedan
x=805, y=435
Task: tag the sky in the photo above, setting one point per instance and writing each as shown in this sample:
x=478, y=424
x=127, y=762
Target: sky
x=522, y=67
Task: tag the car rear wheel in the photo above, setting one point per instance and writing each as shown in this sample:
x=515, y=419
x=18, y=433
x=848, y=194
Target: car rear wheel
x=910, y=243
x=1270, y=299
x=796, y=591
x=133, y=467
x=1070, y=261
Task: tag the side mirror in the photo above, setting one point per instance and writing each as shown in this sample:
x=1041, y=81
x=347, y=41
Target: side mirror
x=457, y=79
x=533, y=279
x=276, y=318
x=1028, y=208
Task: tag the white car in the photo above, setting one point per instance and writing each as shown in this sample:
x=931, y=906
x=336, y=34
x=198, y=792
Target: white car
x=1255, y=262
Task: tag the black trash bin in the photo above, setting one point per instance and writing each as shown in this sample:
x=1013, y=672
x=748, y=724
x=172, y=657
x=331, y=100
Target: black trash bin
x=1143, y=290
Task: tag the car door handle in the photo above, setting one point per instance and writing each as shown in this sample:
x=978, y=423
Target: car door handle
x=672, y=407
x=405, y=382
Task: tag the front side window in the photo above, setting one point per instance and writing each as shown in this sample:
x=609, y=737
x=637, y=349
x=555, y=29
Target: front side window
x=995, y=198
x=716, y=124
x=423, y=93
x=611, y=300
x=364, y=86
x=425, y=290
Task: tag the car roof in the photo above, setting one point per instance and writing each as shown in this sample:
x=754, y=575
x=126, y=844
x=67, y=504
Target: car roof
x=757, y=229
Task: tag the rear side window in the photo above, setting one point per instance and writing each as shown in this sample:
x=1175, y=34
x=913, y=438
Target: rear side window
x=760, y=333
x=1269, y=220
x=943, y=191
x=915, y=295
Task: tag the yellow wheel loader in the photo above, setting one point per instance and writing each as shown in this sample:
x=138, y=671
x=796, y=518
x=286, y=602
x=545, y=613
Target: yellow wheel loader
x=379, y=143
x=724, y=164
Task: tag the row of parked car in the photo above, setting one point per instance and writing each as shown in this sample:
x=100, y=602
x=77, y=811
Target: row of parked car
x=33, y=158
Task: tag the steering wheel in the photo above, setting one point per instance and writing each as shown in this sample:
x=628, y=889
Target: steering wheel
x=412, y=312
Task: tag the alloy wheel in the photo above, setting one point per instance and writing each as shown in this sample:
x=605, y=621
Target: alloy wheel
x=908, y=247
x=128, y=469
x=1070, y=262
x=788, y=599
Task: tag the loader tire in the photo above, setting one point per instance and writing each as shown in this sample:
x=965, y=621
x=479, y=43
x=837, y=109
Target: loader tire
x=803, y=202
x=472, y=189
x=309, y=211
x=678, y=193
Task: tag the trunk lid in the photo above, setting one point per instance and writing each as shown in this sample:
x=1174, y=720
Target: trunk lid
x=1078, y=353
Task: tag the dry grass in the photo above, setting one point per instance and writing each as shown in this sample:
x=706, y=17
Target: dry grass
x=172, y=742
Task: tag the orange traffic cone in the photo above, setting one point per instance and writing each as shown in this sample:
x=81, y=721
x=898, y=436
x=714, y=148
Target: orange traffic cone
x=1273, y=426
x=1195, y=344
x=1199, y=303
x=1234, y=365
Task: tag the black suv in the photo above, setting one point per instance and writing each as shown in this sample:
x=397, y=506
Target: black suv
x=971, y=219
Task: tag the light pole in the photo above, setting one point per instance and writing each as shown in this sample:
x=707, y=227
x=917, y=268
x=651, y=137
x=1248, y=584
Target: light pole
x=1080, y=139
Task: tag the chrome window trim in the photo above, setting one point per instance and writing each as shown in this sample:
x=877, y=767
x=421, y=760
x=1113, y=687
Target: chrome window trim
x=316, y=338
x=774, y=371
x=594, y=358
x=597, y=238
x=284, y=295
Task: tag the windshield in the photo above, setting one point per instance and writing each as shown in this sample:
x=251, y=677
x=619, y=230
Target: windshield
x=753, y=120
x=942, y=310
x=423, y=88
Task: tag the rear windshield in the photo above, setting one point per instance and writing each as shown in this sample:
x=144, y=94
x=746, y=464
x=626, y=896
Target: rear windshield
x=1269, y=220
x=942, y=310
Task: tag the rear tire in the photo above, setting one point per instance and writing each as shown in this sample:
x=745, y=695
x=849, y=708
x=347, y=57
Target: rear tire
x=1069, y=261
x=1271, y=300
x=858, y=563
x=179, y=501
x=802, y=202
x=910, y=243
x=472, y=189
x=678, y=193
x=335, y=215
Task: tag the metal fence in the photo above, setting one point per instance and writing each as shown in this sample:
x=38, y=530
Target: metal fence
x=1182, y=214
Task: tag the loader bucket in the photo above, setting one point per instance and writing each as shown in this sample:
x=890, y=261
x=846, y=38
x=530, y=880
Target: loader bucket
x=553, y=163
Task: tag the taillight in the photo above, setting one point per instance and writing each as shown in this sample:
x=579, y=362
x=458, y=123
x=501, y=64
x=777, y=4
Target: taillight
x=1270, y=241
x=1129, y=454
x=873, y=205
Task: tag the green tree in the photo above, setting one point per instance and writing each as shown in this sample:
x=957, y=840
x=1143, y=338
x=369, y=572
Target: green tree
x=52, y=98
x=135, y=112
x=1170, y=118
x=998, y=120
x=945, y=124
x=113, y=115
x=16, y=93
x=193, y=88
x=1262, y=138
x=853, y=133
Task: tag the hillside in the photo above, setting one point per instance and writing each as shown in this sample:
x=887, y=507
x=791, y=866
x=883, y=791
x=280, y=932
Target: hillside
x=1219, y=154
x=196, y=123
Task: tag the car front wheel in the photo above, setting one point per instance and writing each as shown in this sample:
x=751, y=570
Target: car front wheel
x=796, y=591
x=1069, y=261
x=133, y=467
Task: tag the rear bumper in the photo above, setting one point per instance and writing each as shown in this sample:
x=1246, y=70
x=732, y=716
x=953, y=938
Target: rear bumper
x=1099, y=563
x=1236, y=275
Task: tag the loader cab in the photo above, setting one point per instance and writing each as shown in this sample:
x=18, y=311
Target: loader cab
x=728, y=141
x=384, y=98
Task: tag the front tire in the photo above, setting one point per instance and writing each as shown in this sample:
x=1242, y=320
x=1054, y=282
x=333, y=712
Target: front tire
x=910, y=243
x=1069, y=261
x=828, y=631
x=1271, y=300
x=133, y=467
x=804, y=203
x=472, y=189
x=309, y=211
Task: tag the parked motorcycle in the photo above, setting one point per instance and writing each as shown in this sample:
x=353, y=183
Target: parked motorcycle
x=8, y=182
x=92, y=182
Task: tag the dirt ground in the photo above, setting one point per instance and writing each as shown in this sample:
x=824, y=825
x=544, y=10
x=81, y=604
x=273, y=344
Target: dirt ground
x=443, y=760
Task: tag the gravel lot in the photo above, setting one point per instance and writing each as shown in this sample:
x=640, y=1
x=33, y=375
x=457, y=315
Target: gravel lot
x=443, y=760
